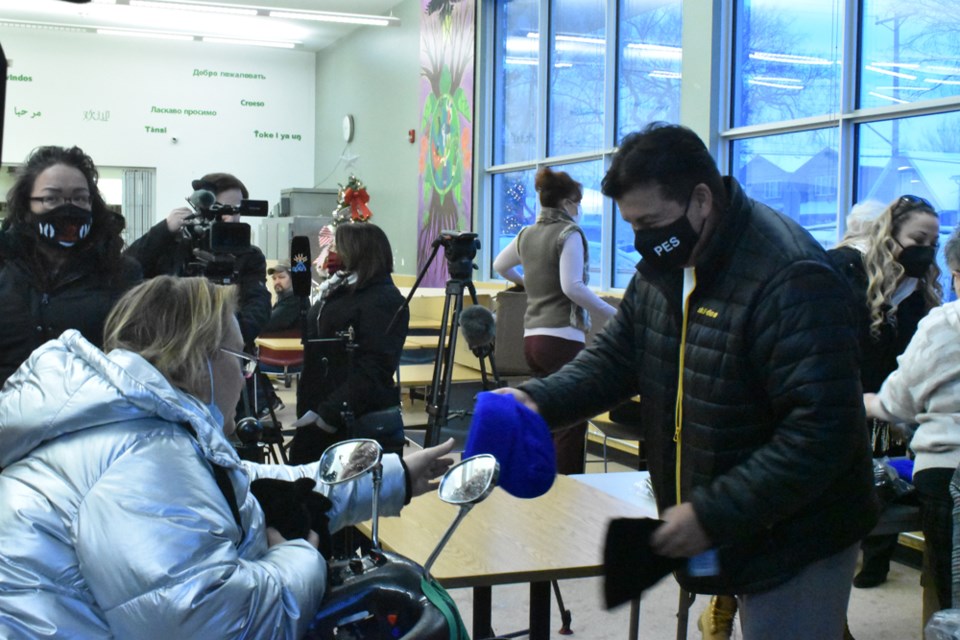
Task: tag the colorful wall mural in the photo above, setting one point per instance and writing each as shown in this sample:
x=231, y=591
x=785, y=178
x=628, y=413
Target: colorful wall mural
x=446, y=132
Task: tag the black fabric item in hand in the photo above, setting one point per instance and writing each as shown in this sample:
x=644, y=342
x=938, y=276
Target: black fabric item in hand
x=294, y=508
x=629, y=564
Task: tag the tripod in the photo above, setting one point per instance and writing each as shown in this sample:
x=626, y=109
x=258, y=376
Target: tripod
x=460, y=249
x=438, y=406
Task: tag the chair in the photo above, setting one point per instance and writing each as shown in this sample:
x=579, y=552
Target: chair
x=286, y=362
x=621, y=424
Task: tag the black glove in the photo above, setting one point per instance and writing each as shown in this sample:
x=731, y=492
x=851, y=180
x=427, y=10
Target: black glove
x=630, y=566
x=294, y=508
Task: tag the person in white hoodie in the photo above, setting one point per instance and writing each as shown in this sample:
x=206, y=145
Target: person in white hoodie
x=925, y=388
x=126, y=511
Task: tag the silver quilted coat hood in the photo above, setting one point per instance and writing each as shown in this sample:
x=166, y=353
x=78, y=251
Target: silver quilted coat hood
x=113, y=525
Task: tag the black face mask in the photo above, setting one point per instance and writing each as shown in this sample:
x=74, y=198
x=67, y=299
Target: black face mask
x=668, y=247
x=64, y=226
x=916, y=260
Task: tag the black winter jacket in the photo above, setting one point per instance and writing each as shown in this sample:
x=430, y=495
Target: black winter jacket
x=284, y=316
x=162, y=252
x=364, y=380
x=34, y=312
x=773, y=449
x=878, y=356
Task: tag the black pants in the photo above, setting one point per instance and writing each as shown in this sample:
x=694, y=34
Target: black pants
x=546, y=355
x=936, y=515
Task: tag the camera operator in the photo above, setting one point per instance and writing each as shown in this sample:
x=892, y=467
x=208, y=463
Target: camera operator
x=168, y=249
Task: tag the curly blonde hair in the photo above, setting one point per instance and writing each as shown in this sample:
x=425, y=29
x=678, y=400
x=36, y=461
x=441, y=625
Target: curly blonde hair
x=884, y=273
x=176, y=324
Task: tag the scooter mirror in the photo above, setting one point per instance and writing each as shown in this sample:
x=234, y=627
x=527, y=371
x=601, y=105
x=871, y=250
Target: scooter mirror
x=470, y=481
x=465, y=484
x=346, y=460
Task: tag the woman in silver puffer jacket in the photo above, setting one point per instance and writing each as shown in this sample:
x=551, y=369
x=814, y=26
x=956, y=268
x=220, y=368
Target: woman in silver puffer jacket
x=113, y=523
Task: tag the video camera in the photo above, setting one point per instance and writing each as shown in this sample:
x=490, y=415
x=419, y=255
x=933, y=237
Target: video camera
x=215, y=243
x=459, y=248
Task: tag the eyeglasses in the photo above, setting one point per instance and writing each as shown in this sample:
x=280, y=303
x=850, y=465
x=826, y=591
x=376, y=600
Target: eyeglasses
x=52, y=202
x=248, y=363
x=908, y=202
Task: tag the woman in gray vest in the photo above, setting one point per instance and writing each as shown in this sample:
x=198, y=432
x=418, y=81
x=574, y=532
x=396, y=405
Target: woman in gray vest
x=553, y=255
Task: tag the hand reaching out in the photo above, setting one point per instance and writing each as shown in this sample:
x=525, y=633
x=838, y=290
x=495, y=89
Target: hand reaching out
x=426, y=465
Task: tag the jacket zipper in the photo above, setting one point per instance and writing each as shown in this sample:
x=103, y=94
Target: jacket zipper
x=689, y=284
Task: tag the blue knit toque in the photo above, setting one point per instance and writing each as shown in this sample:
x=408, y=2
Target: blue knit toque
x=520, y=441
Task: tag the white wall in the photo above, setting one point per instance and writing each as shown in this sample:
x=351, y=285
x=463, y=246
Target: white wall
x=102, y=93
x=374, y=75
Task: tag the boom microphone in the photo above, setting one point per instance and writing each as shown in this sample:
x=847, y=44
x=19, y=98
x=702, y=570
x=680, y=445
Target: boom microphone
x=300, y=266
x=479, y=329
x=202, y=199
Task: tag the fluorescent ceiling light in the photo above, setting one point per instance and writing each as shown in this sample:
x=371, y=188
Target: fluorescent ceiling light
x=939, y=81
x=669, y=75
x=526, y=61
x=903, y=88
x=345, y=18
x=564, y=38
x=935, y=68
x=661, y=48
x=887, y=72
x=204, y=8
x=143, y=34
x=41, y=25
x=256, y=43
x=890, y=98
x=775, y=85
x=787, y=58
x=901, y=65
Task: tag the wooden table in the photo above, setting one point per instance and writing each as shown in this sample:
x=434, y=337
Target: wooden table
x=294, y=344
x=280, y=344
x=506, y=540
x=424, y=322
x=421, y=375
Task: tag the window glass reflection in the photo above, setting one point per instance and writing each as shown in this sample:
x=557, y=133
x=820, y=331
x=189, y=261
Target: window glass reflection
x=915, y=156
x=516, y=58
x=589, y=175
x=910, y=52
x=787, y=58
x=648, y=64
x=626, y=256
x=577, y=46
x=795, y=173
x=516, y=205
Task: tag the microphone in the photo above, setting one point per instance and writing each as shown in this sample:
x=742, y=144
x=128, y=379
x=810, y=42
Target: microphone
x=202, y=199
x=300, y=266
x=479, y=329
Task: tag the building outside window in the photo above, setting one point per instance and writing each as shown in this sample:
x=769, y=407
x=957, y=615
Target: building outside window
x=848, y=103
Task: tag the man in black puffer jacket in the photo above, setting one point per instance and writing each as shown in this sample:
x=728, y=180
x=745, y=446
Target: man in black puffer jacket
x=737, y=334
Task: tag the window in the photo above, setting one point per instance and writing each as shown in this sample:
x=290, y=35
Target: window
x=515, y=89
x=601, y=85
x=578, y=42
x=803, y=166
x=787, y=61
x=894, y=131
x=909, y=53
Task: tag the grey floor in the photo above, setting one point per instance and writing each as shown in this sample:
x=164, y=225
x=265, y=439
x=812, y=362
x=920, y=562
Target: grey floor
x=889, y=612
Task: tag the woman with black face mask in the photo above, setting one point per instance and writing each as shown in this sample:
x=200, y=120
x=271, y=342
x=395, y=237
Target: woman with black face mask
x=894, y=273
x=60, y=262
